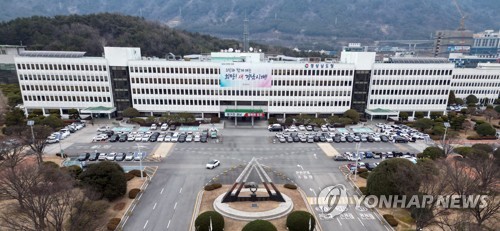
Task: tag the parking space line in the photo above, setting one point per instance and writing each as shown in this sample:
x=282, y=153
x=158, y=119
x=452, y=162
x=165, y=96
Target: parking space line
x=145, y=224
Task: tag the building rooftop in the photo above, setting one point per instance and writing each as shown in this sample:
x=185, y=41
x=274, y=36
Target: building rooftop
x=417, y=60
x=53, y=54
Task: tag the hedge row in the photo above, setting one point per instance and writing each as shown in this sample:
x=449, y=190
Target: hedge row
x=213, y=186
x=129, y=176
x=137, y=173
x=290, y=186
x=364, y=175
x=476, y=137
x=132, y=194
x=363, y=190
x=391, y=220
x=113, y=223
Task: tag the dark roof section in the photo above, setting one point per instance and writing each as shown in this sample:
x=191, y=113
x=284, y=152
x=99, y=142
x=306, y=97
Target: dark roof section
x=418, y=60
x=53, y=54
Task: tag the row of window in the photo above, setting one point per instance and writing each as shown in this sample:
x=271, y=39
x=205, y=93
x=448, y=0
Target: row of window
x=426, y=82
x=300, y=72
x=197, y=81
x=299, y=82
x=409, y=92
x=475, y=84
x=468, y=92
x=64, y=78
x=61, y=67
x=205, y=92
x=182, y=102
x=64, y=88
x=407, y=101
x=497, y=77
x=52, y=98
x=175, y=70
x=310, y=103
x=412, y=72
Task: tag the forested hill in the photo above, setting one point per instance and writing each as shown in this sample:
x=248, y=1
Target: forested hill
x=300, y=22
x=91, y=32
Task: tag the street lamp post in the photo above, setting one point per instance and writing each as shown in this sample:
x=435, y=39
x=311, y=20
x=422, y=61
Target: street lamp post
x=357, y=158
x=446, y=126
x=31, y=123
x=140, y=161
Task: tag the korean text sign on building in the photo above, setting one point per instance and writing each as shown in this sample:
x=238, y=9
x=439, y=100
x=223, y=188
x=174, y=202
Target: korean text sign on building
x=245, y=75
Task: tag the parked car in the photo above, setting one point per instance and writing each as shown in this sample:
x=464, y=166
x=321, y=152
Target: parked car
x=340, y=158
x=102, y=156
x=131, y=138
x=101, y=137
x=120, y=156
x=123, y=138
x=94, y=156
x=371, y=166
x=164, y=127
x=203, y=139
x=129, y=156
x=173, y=127
x=83, y=156
x=369, y=155
x=153, y=127
x=139, y=156
x=114, y=138
x=212, y=164
x=111, y=156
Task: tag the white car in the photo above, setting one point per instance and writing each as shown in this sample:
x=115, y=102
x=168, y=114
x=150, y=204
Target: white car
x=145, y=138
x=102, y=129
x=302, y=127
x=189, y=138
x=329, y=139
x=197, y=138
x=138, y=138
x=167, y=138
x=174, y=138
x=160, y=138
x=100, y=137
x=102, y=156
x=138, y=156
x=164, y=127
x=324, y=128
x=153, y=127
x=130, y=138
x=111, y=156
x=129, y=156
x=291, y=129
x=213, y=164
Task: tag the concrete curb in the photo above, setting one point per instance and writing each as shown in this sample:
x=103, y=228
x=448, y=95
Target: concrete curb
x=132, y=205
x=196, y=210
x=304, y=197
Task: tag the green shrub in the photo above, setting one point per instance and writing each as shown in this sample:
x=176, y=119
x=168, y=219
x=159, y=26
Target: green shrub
x=476, y=137
x=202, y=222
x=50, y=164
x=106, y=178
x=213, y=186
x=137, y=173
x=299, y=221
x=290, y=186
x=361, y=170
x=215, y=120
x=259, y=225
x=129, y=176
x=113, y=223
x=74, y=170
x=391, y=220
x=363, y=190
x=132, y=194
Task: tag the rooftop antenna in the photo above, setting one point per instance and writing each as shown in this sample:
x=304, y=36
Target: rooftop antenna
x=245, y=34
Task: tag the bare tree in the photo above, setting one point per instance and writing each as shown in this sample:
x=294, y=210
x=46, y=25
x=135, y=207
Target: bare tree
x=87, y=214
x=490, y=114
x=467, y=125
x=12, y=152
x=37, y=143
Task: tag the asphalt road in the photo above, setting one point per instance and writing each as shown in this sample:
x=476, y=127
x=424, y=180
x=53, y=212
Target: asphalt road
x=168, y=201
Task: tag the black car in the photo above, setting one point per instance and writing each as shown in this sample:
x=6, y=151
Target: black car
x=336, y=139
x=296, y=139
x=153, y=138
x=384, y=138
x=114, y=138
x=120, y=156
x=123, y=138
x=400, y=139
x=370, y=139
x=109, y=133
x=349, y=139
x=173, y=127
x=316, y=139
x=322, y=139
x=203, y=139
x=181, y=139
x=371, y=166
x=93, y=156
x=83, y=156
x=340, y=158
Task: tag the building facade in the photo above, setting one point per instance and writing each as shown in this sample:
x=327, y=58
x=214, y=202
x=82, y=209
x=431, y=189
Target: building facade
x=486, y=43
x=225, y=82
x=452, y=41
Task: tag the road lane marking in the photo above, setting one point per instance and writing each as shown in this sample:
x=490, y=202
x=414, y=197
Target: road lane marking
x=361, y=221
x=140, y=197
x=162, y=190
x=168, y=225
x=339, y=221
x=154, y=206
x=175, y=206
x=145, y=224
x=180, y=191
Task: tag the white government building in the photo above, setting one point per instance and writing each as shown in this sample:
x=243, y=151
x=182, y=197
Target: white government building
x=237, y=84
